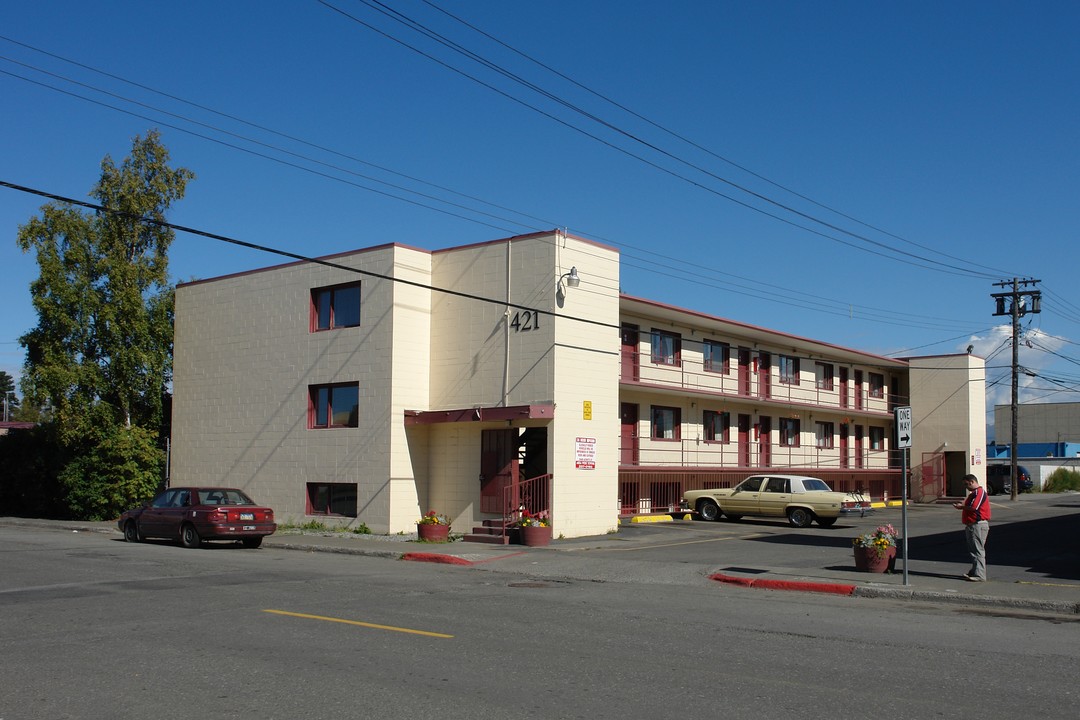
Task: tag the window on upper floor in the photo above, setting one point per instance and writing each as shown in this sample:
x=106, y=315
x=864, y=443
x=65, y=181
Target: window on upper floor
x=334, y=406
x=717, y=426
x=789, y=370
x=666, y=423
x=877, y=385
x=716, y=356
x=334, y=307
x=877, y=438
x=823, y=376
x=666, y=348
x=823, y=434
x=789, y=432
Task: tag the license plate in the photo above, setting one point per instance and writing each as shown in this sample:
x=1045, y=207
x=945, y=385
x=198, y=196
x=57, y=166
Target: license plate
x=249, y=527
x=247, y=516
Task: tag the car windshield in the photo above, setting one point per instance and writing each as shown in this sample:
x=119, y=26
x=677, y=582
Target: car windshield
x=219, y=496
x=811, y=484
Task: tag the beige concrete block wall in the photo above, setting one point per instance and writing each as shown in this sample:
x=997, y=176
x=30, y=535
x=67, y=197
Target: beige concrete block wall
x=244, y=362
x=587, y=352
x=948, y=408
x=411, y=357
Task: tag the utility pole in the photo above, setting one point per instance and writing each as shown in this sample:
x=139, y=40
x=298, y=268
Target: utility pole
x=1021, y=303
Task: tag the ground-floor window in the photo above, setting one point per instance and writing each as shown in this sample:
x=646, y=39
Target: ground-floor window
x=331, y=499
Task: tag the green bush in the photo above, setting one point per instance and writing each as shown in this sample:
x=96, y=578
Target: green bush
x=1061, y=480
x=123, y=469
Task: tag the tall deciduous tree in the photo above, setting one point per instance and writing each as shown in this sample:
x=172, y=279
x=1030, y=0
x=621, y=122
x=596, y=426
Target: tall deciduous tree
x=101, y=354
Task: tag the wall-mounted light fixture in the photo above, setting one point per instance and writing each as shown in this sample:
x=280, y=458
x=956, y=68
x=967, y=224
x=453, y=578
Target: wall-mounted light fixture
x=572, y=278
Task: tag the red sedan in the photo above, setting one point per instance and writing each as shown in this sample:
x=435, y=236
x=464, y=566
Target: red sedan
x=191, y=515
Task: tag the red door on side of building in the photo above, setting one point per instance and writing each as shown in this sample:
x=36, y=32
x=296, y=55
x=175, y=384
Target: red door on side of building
x=845, y=398
x=859, y=446
x=764, y=442
x=628, y=443
x=764, y=364
x=498, y=468
x=630, y=355
x=744, y=372
x=744, y=440
x=845, y=461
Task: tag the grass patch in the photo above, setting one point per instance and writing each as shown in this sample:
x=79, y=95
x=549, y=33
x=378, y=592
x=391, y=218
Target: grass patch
x=1062, y=480
x=320, y=526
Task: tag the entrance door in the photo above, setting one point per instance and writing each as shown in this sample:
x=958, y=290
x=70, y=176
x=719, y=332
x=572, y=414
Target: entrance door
x=744, y=439
x=764, y=364
x=628, y=443
x=844, y=397
x=744, y=372
x=498, y=468
x=845, y=461
x=764, y=442
x=630, y=367
x=859, y=446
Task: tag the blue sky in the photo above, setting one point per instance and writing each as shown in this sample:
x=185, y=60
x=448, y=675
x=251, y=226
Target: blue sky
x=859, y=173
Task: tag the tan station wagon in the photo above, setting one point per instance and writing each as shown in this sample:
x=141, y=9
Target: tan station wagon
x=800, y=499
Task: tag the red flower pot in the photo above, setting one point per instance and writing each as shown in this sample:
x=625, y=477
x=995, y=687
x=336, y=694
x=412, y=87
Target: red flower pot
x=433, y=533
x=868, y=560
x=535, y=535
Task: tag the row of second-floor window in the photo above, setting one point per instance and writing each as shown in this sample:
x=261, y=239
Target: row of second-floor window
x=335, y=306
x=666, y=424
x=666, y=349
x=334, y=405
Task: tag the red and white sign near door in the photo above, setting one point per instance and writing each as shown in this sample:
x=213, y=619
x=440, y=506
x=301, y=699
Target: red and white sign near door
x=585, y=453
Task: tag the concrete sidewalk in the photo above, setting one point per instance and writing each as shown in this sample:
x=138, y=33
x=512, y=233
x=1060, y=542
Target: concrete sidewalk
x=605, y=559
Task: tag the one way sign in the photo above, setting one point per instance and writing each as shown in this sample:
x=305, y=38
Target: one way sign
x=903, y=427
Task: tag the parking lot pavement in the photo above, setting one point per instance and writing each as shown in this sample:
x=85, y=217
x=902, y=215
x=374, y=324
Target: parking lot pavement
x=1034, y=565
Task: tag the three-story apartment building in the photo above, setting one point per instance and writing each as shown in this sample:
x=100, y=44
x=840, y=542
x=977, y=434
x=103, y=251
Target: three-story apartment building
x=375, y=385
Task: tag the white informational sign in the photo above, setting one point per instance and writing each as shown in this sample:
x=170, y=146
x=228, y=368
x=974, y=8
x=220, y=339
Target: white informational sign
x=903, y=427
x=585, y=453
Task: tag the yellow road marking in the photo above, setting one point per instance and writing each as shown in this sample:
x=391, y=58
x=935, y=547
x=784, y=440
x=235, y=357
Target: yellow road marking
x=357, y=622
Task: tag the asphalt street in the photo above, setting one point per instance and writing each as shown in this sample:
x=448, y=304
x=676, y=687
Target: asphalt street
x=1034, y=563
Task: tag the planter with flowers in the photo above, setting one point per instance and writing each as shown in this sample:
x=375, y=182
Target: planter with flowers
x=875, y=551
x=534, y=530
x=433, y=527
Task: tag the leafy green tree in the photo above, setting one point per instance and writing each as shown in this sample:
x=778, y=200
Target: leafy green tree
x=101, y=355
x=9, y=402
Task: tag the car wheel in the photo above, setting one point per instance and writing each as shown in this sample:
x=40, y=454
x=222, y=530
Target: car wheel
x=826, y=522
x=990, y=490
x=252, y=542
x=131, y=532
x=800, y=517
x=189, y=536
x=708, y=510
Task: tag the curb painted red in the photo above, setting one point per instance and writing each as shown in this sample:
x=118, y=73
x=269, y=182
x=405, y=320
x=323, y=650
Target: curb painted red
x=436, y=558
x=797, y=585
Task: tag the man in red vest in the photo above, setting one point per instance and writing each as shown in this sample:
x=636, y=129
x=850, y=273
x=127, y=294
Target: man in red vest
x=975, y=514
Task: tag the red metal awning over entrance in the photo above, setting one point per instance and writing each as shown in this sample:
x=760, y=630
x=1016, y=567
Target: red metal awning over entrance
x=480, y=414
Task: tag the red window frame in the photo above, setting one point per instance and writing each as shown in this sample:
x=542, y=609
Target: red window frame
x=823, y=435
x=789, y=370
x=659, y=357
x=825, y=382
x=877, y=385
x=332, y=499
x=676, y=423
x=330, y=296
x=320, y=394
x=790, y=429
x=717, y=426
x=709, y=361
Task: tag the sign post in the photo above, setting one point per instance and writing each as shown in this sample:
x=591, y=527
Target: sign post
x=903, y=443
